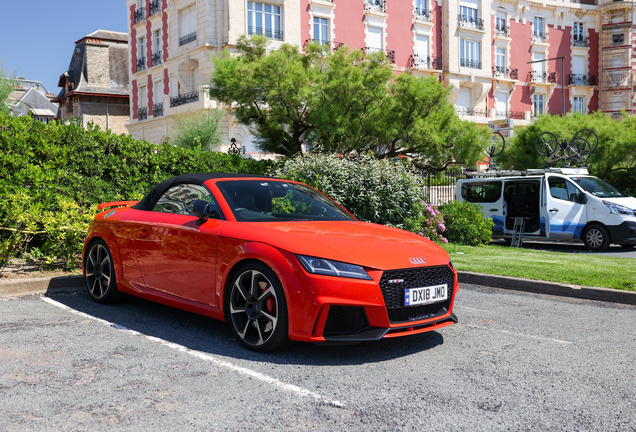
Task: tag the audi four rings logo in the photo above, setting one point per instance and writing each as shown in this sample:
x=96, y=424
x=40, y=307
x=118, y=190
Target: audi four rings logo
x=417, y=260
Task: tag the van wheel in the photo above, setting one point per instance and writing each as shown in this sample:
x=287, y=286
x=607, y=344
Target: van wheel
x=596, y=238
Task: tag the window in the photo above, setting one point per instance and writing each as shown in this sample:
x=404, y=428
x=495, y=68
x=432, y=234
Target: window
x=478, y=192
x=470, y=53
x=187, y=21
x=538, y=26
x=321, y=30
x=564, y=190
x=142, y=47
x=264, y=19
x=468, y=13
x=577, y=104
x=500, y=58
x=500, y=24
x=421, y=6
x=618, y=39
x=374, y=38
x=178, y=199
x=157, y=40
x=157, y=92
x=578, y=31
x=538, y=104
x=143, y=97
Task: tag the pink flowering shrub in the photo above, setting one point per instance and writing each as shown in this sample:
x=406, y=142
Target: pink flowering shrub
x=428, y=224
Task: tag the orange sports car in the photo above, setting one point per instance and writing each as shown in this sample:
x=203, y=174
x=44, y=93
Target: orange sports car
x=276, y=258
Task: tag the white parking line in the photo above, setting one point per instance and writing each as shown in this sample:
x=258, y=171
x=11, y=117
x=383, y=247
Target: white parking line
x=516, y=334
x=207, y=357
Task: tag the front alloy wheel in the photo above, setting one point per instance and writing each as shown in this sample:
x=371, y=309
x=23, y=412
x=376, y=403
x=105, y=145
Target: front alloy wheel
x=257, y=308
x=100, y=273
x=596, y=238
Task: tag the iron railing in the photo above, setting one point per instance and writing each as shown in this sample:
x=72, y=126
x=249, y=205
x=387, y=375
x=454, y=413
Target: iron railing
x=155, y=7
x=502, y=31
x=468, y=22
x=475, y=112
x=520, y=115
x=580, y=41
x=539, y=37
x=140, y=14
x=375, y=6
x=504, y=72
x=185, y=98
x=141, y=64
x=390, y=54
x=425, y=62
x=270, y=33
x=583, y=80
x=538, y=76
x=155, y=59
x=473, y=64
x=157, y=109
x=440, y=187
x=422, y=14
x=333, y=45
x=142, y=113
x=188, y=38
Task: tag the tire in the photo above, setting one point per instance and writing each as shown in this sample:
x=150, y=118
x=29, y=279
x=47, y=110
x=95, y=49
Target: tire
x=101, y=282
x=596, y=238
x=257, y=310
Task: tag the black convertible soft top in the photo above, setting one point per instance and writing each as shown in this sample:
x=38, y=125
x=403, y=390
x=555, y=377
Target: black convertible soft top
x=148, y=202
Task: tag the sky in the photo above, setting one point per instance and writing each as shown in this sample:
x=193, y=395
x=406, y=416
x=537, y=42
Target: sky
x=37, y=37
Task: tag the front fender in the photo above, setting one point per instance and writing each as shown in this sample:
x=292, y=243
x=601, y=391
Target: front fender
x=102, y=231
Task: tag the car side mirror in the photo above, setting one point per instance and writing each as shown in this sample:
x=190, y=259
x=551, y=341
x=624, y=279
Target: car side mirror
x=202, y=209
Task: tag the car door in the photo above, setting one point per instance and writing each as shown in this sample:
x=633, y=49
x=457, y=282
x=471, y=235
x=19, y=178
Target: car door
x=176, y=254
x=488, y=194
x=565, y=208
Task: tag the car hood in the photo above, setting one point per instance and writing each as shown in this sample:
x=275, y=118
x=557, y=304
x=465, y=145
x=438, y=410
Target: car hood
x=361, y=243
x=624, y=201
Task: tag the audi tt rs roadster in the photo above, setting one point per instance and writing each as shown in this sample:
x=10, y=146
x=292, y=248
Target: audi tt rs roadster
x=277, y=259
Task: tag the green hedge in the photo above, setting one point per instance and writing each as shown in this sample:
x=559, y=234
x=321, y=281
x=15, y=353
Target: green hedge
x=53, y=175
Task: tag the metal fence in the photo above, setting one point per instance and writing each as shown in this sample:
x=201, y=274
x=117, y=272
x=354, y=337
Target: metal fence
x=440, y=187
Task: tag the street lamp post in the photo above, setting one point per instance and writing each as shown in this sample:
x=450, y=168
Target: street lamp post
x=562, y=79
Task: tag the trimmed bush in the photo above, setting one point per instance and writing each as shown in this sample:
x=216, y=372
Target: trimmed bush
x=465, y=223
x=374, y=190
x=428, y=223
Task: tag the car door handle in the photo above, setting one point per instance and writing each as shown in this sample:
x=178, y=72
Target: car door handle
x=494, y=210
x=143, y=233
x=554, y=210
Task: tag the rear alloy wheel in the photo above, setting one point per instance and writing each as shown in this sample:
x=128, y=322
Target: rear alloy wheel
x=100, y=273
x=596, y=238
x=257, y=308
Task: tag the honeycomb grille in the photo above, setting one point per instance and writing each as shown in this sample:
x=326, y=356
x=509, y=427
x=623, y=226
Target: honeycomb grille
x=345, y=320
x=393, y=293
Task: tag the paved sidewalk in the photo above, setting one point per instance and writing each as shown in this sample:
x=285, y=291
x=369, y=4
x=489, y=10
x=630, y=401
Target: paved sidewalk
x=39, y=286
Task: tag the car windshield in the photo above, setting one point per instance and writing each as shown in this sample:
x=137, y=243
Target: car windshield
x=598, y=187
x=273, y=201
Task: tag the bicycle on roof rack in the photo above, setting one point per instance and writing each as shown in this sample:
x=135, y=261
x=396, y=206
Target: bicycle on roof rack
x=556, y=152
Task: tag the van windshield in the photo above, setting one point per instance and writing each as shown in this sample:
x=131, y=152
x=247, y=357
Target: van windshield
x=598, y=187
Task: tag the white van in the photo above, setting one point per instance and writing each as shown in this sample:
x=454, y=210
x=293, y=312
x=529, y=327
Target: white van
x=556, y=204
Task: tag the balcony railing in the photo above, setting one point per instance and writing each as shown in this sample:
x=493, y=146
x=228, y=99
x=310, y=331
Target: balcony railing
x=539, y=37
x=582, y=80
x=538, y=76
x=504, y=72
x=473, y=64
x=270, y=33
x=157, y=109
x=187, y=38
x=184, y=99
x=156, y=58
x=141, y=64
x=580, y=41
x=142, y=113
x=375, y=6
x=470, y=23
x=332, y=45
x=421, y=14
x=502, y=31
x=520, y=115
x=390, y=54
x=425, y=62
x=475, y=112
x=140, y=14
x=155, y=7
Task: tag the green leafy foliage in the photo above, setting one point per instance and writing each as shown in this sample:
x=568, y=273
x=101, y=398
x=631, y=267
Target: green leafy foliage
x=199, y=128
x=52, y=176
x=465, y=223
x=378, y=191
x=428, y=222
x=340, y=102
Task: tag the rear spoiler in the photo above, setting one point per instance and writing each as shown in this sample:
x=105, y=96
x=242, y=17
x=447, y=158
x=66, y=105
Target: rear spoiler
x=107, y=205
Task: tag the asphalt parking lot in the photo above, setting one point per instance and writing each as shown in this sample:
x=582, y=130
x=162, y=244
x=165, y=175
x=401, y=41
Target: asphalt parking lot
x=515, y=361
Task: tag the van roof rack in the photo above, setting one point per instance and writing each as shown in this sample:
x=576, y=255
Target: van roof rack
x=510, y=173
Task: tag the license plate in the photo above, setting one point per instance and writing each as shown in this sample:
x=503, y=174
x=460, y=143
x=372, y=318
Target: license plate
x=425, y=295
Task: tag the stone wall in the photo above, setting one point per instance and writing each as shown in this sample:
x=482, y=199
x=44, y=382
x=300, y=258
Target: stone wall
x=97, y=65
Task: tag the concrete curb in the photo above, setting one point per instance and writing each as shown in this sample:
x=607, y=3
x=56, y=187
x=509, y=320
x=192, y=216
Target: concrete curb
x=28, y=286
x=552, y=288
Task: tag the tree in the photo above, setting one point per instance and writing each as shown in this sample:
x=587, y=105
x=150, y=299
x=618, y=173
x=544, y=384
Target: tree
x=198, y=128
x=342, y=101
x=7, y=84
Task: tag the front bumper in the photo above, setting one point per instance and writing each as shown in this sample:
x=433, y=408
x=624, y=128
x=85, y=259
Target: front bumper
x=625, y=233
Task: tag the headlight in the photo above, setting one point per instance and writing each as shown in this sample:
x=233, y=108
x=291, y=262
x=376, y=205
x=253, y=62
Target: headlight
x=332, y=268
x=618, y=209
x=450, y=263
